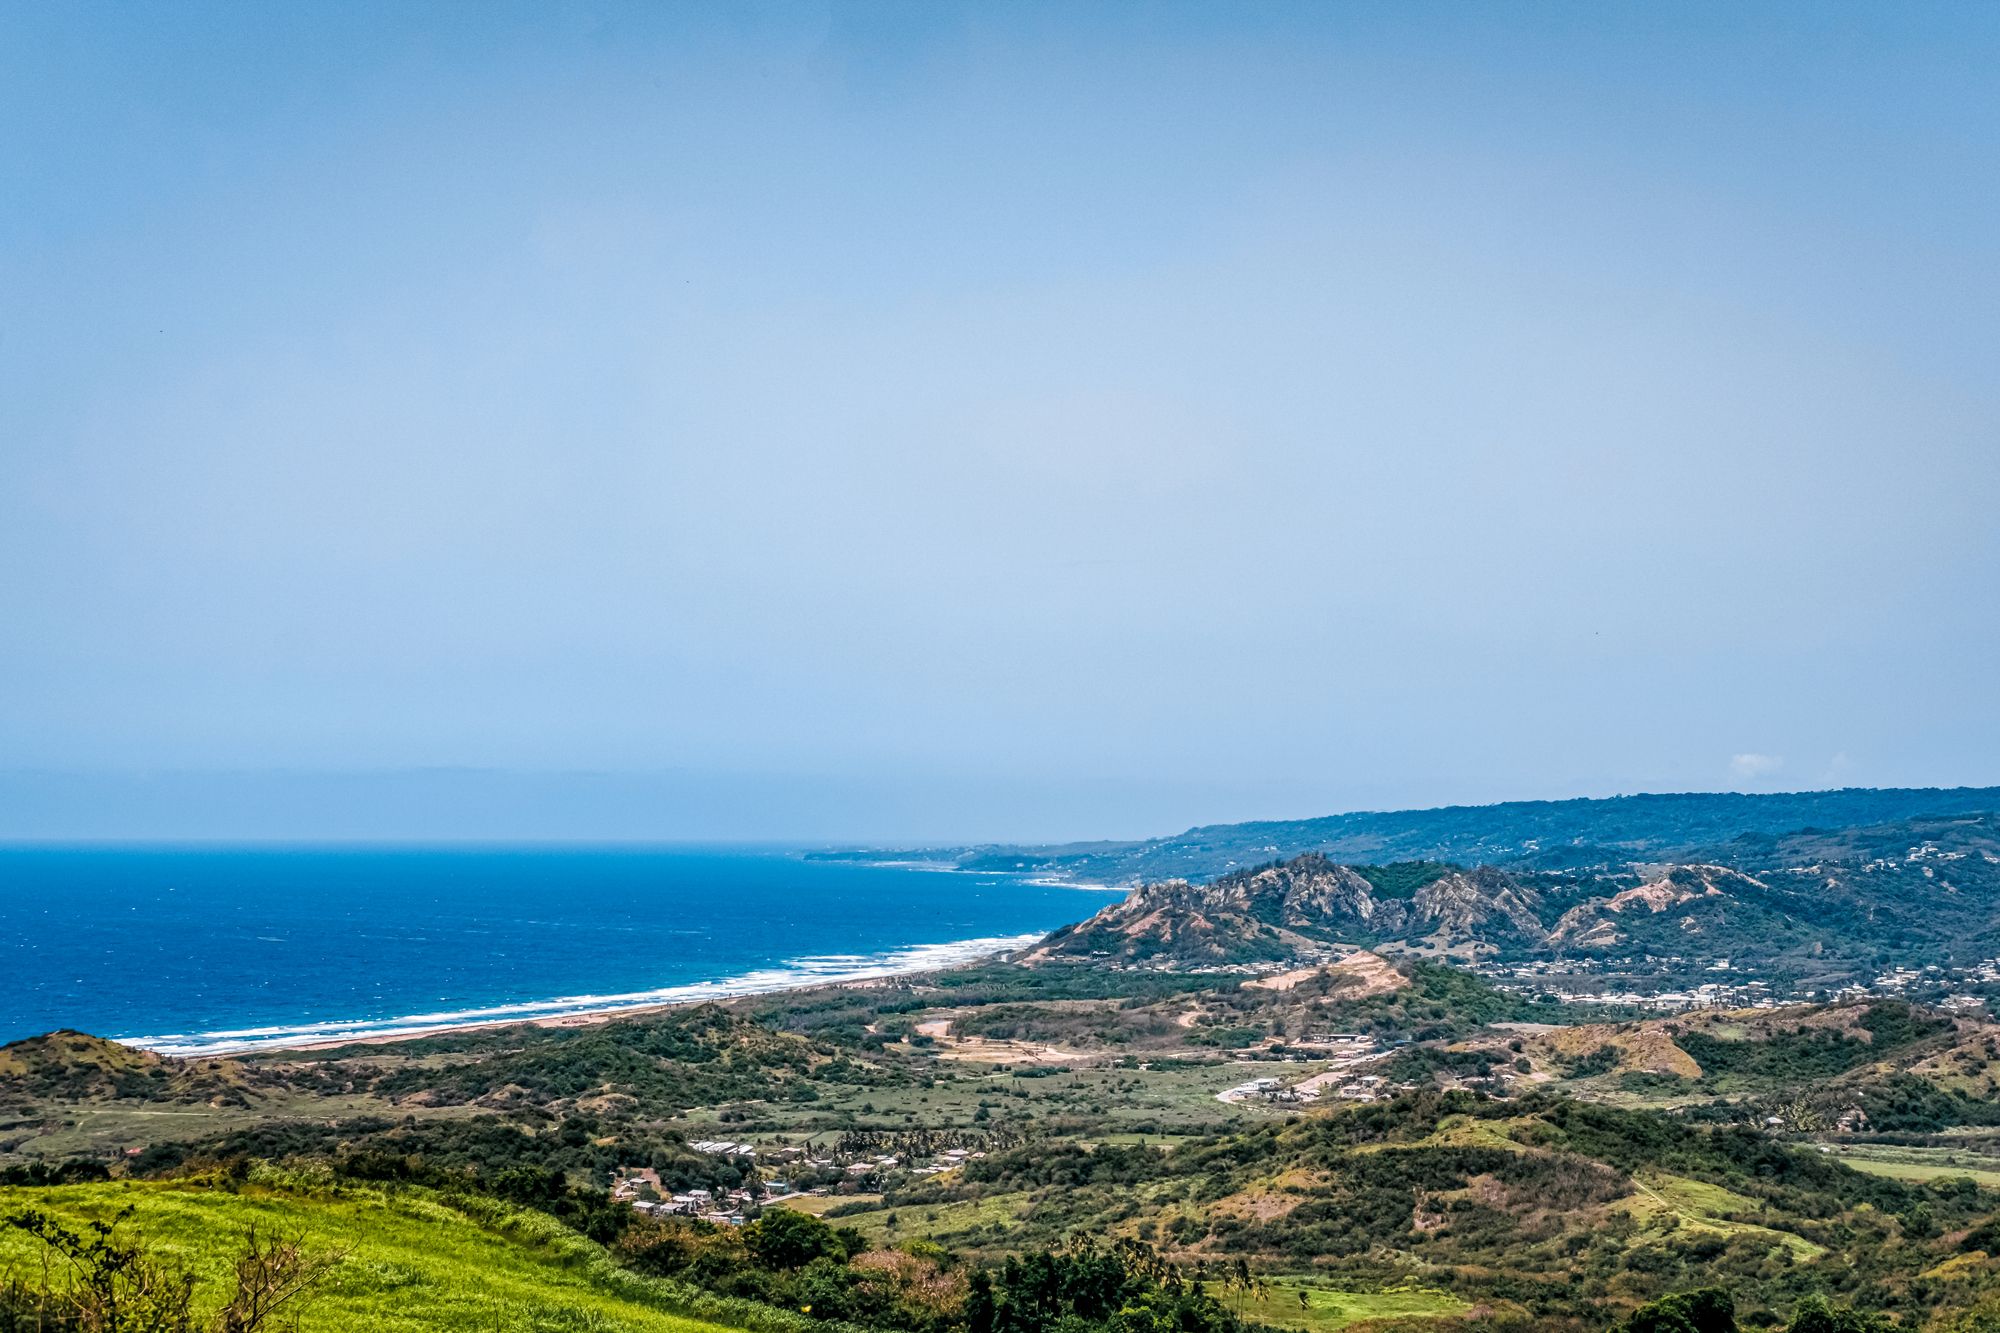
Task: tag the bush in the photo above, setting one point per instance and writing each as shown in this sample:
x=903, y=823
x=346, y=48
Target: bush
x=785, y=1239
x=1705, y=1310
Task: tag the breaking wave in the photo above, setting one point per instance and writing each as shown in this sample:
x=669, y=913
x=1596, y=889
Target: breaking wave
x=816, y=969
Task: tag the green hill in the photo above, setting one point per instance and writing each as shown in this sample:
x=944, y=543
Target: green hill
x=74, y=1066
x=413, y=1262
x=1555, y=1213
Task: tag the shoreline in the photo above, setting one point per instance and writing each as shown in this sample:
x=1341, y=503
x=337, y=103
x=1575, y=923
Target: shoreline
x=584, y=1010
x=1053, y=879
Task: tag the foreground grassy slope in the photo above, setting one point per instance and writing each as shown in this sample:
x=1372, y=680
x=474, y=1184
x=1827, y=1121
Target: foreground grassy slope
x=413, y=1262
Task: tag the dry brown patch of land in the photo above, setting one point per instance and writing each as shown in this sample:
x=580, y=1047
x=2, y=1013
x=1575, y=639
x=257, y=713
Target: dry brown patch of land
x=1357, y=975
x=1646, y=1049
x=992, y=1050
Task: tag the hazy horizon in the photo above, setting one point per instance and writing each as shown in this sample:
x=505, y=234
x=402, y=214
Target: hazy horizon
x=461, y=807
x=987, y=422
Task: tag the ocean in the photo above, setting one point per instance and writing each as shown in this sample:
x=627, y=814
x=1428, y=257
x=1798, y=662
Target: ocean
x=189, y=950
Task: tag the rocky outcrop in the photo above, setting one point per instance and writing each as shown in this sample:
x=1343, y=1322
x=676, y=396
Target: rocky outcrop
x=1477, y=904
x=1590, y=925
x=1304, y=893
x=1295, y=906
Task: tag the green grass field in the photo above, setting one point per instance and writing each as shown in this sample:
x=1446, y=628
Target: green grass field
x=1920, y=1163
x=818, y=1205
x=1700, y=1206
x=1326, y=1309
x=964, y=1222
x=99, y=1128
x=1162, y=1141
x=413, y=1265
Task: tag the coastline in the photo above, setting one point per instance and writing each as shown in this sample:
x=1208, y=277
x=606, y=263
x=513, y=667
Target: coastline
x=584, y=1010
x=1042, y=879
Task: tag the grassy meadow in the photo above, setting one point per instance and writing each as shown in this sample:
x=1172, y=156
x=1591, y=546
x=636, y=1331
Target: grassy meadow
x=1920, y=1164
x=1325, y=1309
x=412, y=1263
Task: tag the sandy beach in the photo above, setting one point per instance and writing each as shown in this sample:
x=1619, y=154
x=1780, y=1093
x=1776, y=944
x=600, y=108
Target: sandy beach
x=588, y=1011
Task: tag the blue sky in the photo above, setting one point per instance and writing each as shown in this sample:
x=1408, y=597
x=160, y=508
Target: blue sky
x=996, y=421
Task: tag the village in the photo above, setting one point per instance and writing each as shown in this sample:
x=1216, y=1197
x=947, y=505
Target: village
x=1732, y=989
x=779, y=1172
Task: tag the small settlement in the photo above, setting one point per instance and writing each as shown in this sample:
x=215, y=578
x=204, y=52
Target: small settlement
x=775, y=1173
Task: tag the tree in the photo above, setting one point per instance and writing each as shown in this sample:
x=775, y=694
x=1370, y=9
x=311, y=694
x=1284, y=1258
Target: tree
x=1815, y=1315
x=91, y=1280
x=979, y=1314
x=783, y=1238
x=272, y=1279
x=1704, y=1310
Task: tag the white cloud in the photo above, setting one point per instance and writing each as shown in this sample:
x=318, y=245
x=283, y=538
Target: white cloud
x=1749, y=767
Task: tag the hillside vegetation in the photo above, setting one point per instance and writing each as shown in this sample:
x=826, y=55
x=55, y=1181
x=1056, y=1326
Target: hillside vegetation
x=1471, y=1183
x=410, y=1262
x=73, y=1066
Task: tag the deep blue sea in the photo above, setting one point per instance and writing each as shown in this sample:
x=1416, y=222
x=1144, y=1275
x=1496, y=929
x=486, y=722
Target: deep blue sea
x=200, y=949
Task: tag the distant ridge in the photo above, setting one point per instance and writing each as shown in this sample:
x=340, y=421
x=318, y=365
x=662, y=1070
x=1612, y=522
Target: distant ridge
x=1616, y=827
x=1833, y=905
